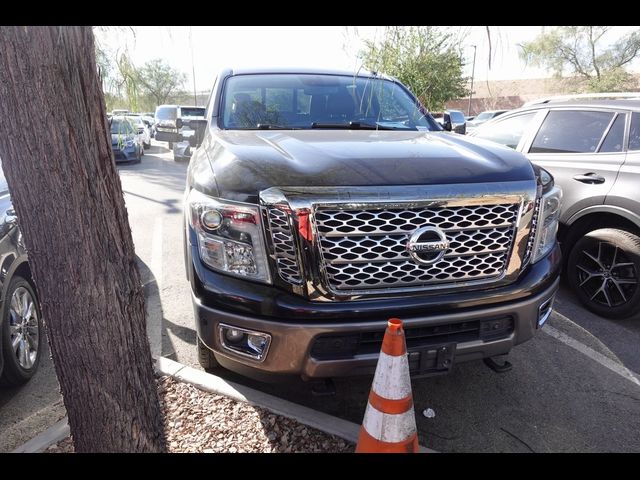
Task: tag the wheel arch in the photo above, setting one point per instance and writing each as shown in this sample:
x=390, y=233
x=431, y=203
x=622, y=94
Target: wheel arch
x=595, y=217
x=20, y=266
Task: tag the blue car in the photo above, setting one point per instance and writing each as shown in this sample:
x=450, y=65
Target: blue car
x=125, y=142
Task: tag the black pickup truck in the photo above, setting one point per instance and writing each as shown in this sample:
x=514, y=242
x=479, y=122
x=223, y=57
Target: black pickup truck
x=319, y=204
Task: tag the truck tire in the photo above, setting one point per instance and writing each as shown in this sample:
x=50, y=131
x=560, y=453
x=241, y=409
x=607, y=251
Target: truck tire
x=603, y=270
x=206, y=358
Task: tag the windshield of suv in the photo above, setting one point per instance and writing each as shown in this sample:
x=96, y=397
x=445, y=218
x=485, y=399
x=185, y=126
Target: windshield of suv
x=191, y=112
x=319, y=101
x=484, y=116
x=166, y=113
x=121, y=127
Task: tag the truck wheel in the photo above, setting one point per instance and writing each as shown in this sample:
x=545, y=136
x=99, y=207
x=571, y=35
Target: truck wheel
x=21, y=333
x=206, y=358
x=604, y=271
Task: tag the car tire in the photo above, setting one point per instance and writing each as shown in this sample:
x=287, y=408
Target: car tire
x=147, y=145
x=206, y=358
x=603, y=271
x=18, y=371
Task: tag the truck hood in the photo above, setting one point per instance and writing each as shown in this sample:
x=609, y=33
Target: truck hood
x=244, y=162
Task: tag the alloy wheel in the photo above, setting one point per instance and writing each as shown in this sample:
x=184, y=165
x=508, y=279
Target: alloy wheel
x=606, y=275
x=23, y=327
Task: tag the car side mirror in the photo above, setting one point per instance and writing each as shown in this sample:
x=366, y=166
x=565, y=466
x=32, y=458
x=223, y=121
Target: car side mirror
x=447, y=125
x=179, y=123
x=199, y=127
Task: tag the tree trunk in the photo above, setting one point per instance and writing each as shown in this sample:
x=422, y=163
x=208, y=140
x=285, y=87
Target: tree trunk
x=66, y=191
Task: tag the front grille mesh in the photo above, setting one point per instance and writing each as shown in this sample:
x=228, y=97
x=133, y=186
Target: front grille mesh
x=284, y=246
x=365, y=249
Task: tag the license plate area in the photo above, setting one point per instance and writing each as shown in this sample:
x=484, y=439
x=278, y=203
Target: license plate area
x=431, y=360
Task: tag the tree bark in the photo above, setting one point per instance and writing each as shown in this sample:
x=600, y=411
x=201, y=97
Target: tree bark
x=66, y=191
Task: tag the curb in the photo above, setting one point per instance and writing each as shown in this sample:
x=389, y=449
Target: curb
x=211, y=383
x=205, y=381
x=51, y=435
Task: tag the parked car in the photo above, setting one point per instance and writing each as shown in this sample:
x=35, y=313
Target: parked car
x=150, y=121
x=182, y=149
x=144, y=135
x=453, y=120
x=483, y=117
x=592, y=148
x=319, y=204
x=125, y=140
x=165, y=125
x=21, y=333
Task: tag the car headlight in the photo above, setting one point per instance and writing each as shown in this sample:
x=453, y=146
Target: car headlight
x=229, y=236
x=547, y=226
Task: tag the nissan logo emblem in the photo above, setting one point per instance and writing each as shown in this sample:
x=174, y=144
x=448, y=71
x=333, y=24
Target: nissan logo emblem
x=427, y=245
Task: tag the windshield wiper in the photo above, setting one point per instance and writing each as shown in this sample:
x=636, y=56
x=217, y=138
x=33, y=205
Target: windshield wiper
x=354, y=126
x=273, y=126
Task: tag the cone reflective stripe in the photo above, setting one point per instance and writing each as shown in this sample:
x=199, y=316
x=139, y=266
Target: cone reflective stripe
x=389, y=423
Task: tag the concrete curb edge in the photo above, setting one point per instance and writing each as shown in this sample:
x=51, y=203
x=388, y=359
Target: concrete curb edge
x=205, y=381
x=51, y=435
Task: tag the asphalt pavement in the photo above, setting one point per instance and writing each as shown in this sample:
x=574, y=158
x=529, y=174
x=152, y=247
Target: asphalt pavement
x=573, y=388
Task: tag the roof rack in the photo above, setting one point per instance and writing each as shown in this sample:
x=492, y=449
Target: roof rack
x=560, y=98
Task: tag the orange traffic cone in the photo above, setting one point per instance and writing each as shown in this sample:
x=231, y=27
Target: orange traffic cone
x=389, y=424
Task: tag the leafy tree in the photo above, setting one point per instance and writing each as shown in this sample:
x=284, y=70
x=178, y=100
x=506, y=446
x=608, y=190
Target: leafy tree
x=159, y=80
x=426, y=59
x=581, y=51
x=68, y=198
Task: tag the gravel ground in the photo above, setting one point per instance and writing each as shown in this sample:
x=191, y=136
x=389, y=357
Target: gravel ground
x=198, y=421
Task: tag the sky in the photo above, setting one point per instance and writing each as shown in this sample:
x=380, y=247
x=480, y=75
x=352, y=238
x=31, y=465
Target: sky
x=205, y=50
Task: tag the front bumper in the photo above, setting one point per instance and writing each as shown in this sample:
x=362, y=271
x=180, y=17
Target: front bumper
x=294, y=348
x=128, y=154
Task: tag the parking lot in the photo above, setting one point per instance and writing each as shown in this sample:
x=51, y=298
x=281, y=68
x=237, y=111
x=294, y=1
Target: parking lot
x=572, y=388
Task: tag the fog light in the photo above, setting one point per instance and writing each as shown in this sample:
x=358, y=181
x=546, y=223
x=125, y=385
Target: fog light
x=233, y=335
x=247, y=343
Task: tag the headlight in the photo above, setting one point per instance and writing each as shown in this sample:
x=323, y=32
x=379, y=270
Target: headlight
x=229, y=236
x=547, y=228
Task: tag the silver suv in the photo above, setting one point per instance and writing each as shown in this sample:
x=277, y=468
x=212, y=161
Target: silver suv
x=592, y=148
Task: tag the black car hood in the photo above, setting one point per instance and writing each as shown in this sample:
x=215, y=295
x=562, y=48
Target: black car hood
x=244, y=162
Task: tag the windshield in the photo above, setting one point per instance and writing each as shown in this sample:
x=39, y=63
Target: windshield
x=191, y=112
x=136, y=121
x=121, y=127
x=166, y=113
x=308, y=101
x=484, y=116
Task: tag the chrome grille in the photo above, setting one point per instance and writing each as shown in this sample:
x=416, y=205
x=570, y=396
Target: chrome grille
x=366, y=249
x=532, y=232
x=284, y=246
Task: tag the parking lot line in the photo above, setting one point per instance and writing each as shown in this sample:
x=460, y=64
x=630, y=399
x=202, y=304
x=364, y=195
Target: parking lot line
x=603, y=360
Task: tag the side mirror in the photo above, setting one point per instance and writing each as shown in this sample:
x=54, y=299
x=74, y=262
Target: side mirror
x=179, y=123
x=447, y=125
